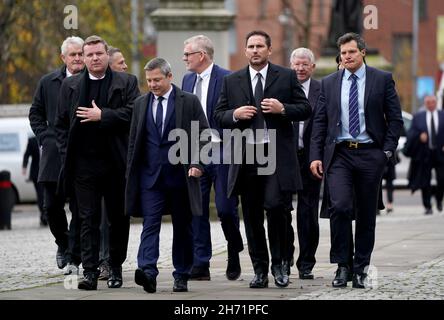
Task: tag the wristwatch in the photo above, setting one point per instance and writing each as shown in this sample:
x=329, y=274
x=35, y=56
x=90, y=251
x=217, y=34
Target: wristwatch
x=388, y=154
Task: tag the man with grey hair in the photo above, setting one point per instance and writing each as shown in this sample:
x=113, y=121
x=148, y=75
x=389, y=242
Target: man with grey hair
x=42, y=120
x=302, y=61
x=205, y=80
x=154, y=184
x=92, y=126
x=117, y=60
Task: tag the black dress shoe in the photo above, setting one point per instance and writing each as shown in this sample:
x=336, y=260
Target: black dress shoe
x=341, y=277
x=281, y=278
x=115, y=278
x=359, y=280
x=104, y=269
x=200, y=273
x=233, y=271
x=287, y=267
x=89, y=281
x=428, y=211
x=439, y=206
x=180, y=285
x=60, y=257
x=306, y=275
x=259, y=281
x=147, y=282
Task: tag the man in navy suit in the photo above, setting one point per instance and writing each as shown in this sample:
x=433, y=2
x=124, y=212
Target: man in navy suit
x=205, y=81
x=425, y=143
x=262, y=100
x=356, y=128
x=302, y=61
x=156, y=185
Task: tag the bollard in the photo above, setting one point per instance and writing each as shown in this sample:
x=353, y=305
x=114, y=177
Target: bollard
x=6, y=200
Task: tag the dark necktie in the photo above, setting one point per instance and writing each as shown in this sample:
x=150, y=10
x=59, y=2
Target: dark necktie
x=159, y=115
x=353, y=108
x=258, y=120
x=432, y=133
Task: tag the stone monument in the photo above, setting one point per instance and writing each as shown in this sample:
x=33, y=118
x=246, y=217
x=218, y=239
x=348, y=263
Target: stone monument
x=177, y=20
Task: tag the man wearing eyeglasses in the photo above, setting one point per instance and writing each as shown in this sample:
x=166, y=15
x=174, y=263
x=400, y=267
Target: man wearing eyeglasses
x=205, y=80
x=302, y=61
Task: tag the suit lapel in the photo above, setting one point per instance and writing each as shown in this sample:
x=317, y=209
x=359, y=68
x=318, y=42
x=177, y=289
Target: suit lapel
x=211, y=90
x=369, y=80
x=338, y=90
x=170, y=107
x=189, y=84
x=178, y=107
x=272, y=75
x=245, y=84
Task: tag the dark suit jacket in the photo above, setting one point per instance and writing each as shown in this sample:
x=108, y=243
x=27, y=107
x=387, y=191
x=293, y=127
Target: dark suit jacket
x=282, y=84
x=32, y=150
x=383, y=117
x=313, y=96
x=214, y=88
x=115, y=122
x=419, y=171
x=188, y=109
x=42, y=120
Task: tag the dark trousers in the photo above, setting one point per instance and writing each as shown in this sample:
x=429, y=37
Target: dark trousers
x=354, y=172
x=104, y=236
x=155, y=202
x=438, y=191
x=217, y=176
x=39, y=190
x=89, y=191
x=307, y=217
x=54, y=206
x=259, y=193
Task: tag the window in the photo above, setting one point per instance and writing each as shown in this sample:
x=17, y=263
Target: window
x=9, y=142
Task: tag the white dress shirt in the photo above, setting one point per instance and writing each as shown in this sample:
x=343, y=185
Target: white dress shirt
x=164, y=105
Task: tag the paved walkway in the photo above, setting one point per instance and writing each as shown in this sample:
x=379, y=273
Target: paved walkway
x=408, y=263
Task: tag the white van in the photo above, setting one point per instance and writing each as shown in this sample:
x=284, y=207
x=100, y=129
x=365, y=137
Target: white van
x=14, y=134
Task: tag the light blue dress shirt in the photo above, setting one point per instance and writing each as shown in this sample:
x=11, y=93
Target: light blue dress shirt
x=363, y=136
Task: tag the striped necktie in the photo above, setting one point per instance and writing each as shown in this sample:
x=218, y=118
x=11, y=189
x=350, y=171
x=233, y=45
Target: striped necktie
x=353, y=108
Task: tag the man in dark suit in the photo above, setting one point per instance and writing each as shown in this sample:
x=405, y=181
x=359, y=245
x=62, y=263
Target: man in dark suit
x=42, y=120
x=262, y=100
x=355, y=132
x=157, y=183
x=205, y=81
x=425, y=144
x=302, y=61
x=92, y=126
x=32, y=151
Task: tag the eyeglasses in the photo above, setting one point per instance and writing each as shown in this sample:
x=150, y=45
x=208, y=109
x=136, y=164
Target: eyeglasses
x=187, y=54
x=303, y=66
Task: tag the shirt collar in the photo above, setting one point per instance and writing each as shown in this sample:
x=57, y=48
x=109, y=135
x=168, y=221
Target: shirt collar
x=263, y=72
x=359, y=73
x=306, y=84
x=68, y=74
x=166, y=95
x=95, y=78
x=207, y=72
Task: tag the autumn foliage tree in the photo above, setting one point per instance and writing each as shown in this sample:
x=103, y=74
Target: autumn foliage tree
x=31, y=32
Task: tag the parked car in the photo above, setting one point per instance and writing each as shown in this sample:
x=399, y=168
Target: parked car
x=14, y=134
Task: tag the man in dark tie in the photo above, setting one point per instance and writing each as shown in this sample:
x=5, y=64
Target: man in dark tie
x=262, y=100
x=302, y=61
x=156, y=184
x=92, y=125
x=356, y=128
x=205, y=81
x=425, y=142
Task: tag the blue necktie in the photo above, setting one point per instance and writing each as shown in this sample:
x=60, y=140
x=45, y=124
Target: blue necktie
x=159, y=115
x=353, y=108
